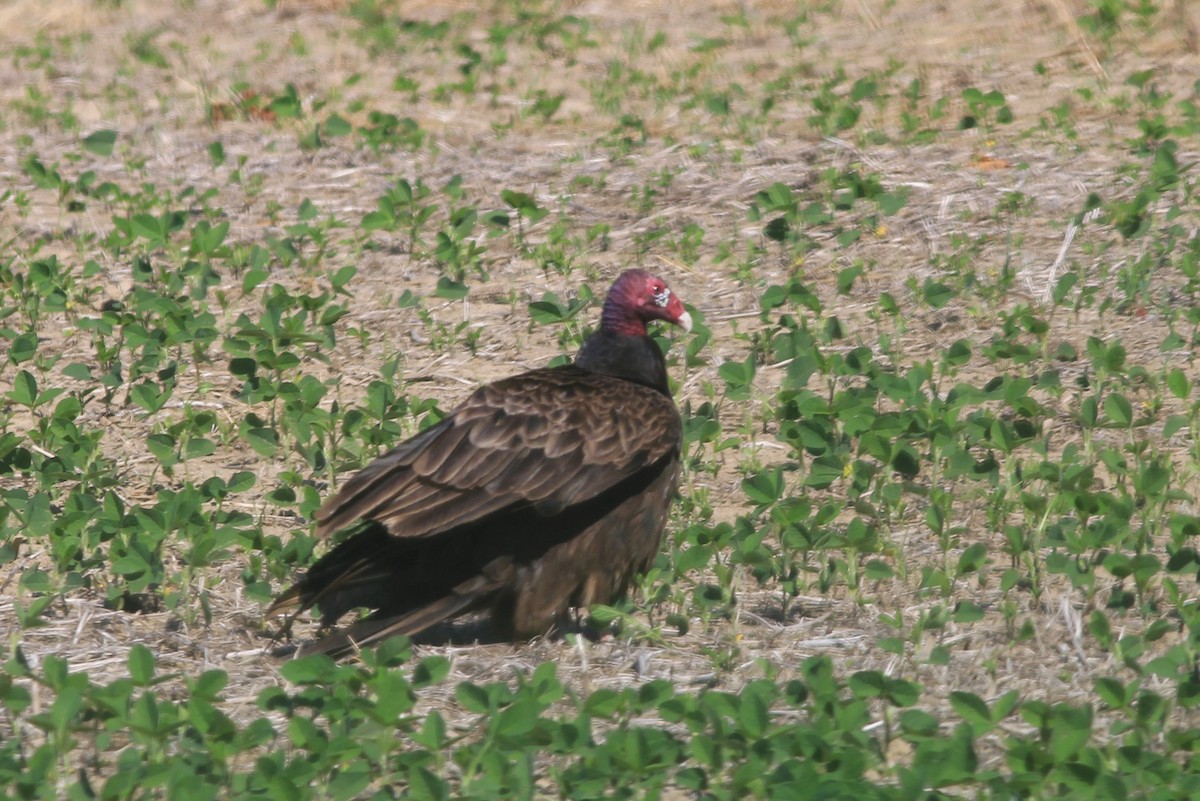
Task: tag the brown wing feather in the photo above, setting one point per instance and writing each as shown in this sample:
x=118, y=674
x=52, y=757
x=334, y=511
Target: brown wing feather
x=548, y=437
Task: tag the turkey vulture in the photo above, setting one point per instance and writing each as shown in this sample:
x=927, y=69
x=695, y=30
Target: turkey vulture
x=543, y=491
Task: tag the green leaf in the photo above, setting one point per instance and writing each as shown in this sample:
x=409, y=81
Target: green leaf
x=1153, y=479
x=432, y=734
x=1118, y=410
x=349, y=782
x=131, y=565
x=848, y=237
x=430, y=670
x=903, y=693
x=517, y=720
x=906, y=462
x=1088, y=413
x=264, y=441
x=425, y=786
x=24, y=391
x=336, y=125
x=287, y=104
x=216, y=154
x=29, y=617
x=1004, y=705
x=209, y=684
x=777, y=229
x=604, y=614
x=972, y=709
x=146, y=226
x=253, y=278
x=1113, y=357
x=378, y=221
x=1112, y=692
x=141, y=665
x=23, y=348
x=847, y=277
x=824, y=471
x=754, y=714
x=972, y=559
x=546, y=312
x=101, y=142
x=394, y=694
x=891, y=202
x=311, y=669
x=342, y=277
x=603, y=703
x=162, y=445
x=1179, y=384
x=199, y=447
x=764, y=487
x=1173, y=425
x=878, y=570
x=936, y=294
x=738, y=377
x=518, y=200
x=79, y=371
x=867, y=684
x=473, y=697
x=967, y=612
x=65, y=708
x=243, y=367
x=393, y=651
x=241, y=481
x=450, y=289
x=150, y=396
x=918, y=722
x=958, y=354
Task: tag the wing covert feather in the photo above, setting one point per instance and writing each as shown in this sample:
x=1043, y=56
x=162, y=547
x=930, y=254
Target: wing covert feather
x=549, y=437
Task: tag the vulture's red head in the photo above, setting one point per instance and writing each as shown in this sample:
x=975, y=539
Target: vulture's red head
x=636, y=298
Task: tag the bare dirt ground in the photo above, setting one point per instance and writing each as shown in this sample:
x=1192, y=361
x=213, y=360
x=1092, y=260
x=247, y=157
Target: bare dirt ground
x=1032, y=51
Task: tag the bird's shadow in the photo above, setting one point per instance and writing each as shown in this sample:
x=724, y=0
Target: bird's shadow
x=462, y=632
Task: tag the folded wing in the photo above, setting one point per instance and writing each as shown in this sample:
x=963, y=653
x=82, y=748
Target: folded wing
x=548, y=438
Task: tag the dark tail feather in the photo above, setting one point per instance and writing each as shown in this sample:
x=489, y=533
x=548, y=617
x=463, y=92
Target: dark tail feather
x=466, y=596
x=285, y=603
x=355, y=573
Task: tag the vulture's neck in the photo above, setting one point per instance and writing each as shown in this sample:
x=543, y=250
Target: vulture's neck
x=633, y=358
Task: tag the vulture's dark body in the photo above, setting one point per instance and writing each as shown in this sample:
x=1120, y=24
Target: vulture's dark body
x=543, y=491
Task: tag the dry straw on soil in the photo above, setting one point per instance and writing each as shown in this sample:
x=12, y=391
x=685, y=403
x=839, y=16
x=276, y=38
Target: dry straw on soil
x=162, y=115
